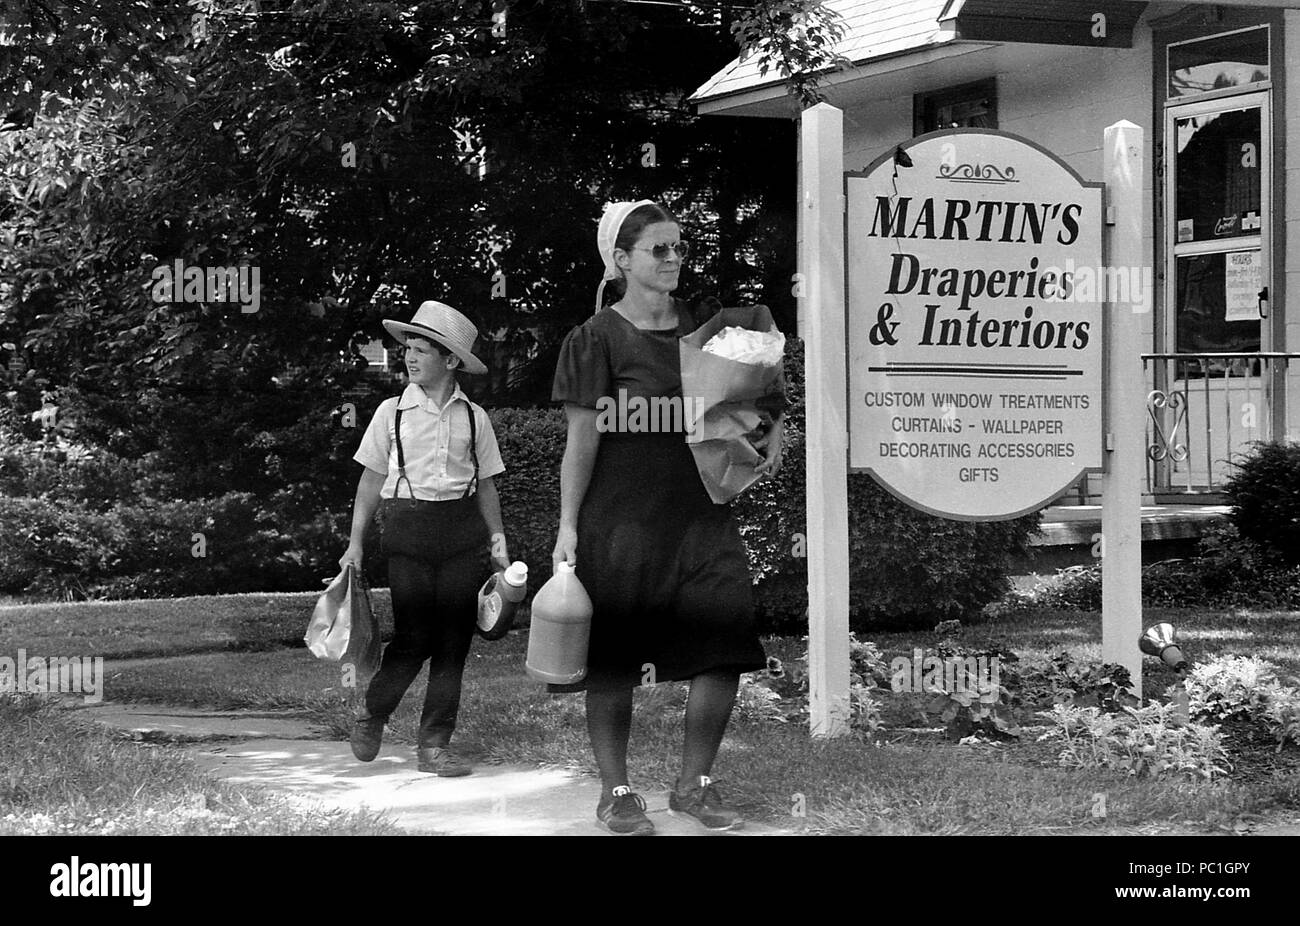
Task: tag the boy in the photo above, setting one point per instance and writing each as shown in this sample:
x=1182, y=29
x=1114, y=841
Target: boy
x=431, y=455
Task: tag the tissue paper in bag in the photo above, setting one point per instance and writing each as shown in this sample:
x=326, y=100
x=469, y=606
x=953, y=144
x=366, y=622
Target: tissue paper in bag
x=724, y=397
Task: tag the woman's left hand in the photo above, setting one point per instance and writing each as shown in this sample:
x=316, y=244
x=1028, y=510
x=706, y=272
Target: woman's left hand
x=770, y=446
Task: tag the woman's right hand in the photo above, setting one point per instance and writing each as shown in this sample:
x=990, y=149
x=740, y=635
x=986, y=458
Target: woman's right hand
x=566, y=547
x=351, y=555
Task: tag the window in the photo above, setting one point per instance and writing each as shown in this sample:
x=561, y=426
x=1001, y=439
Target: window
x=378, y=358
x=969, y=106
x=1236, y=59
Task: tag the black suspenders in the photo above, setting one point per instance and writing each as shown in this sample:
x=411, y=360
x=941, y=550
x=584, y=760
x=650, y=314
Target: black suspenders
x=401, y=457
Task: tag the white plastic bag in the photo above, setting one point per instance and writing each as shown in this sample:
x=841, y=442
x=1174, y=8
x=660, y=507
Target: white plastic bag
x=329, y=630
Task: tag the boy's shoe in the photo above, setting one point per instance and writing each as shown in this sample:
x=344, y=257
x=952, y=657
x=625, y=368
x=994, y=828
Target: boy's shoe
x=441, y=761
x=623, y=812
x=704, y=802
x=367, y=735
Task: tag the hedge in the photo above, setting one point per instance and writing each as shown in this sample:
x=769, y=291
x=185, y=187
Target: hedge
x=908, y=568
x=229, y=544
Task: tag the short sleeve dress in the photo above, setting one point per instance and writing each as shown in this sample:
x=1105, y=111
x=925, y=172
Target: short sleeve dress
x=665, y=567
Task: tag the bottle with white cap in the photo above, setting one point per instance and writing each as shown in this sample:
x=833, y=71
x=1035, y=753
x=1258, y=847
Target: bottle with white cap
x=499, y=598
x=561, y=627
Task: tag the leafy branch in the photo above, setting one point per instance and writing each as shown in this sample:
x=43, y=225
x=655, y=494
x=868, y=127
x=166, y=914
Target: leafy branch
x=798, y=38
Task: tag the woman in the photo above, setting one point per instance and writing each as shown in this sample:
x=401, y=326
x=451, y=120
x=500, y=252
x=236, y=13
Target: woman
x=665, y=567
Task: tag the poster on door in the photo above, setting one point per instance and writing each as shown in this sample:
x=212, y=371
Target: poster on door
x=1243, y=278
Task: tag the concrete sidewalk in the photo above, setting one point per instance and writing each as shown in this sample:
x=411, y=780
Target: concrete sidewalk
x=500, y=800
x=281, y=751
x=168, y=723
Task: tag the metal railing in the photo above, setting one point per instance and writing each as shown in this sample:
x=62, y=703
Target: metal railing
x=1204, y=410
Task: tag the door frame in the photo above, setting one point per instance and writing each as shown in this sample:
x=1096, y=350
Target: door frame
x=1264, y=241
x=1195, y=24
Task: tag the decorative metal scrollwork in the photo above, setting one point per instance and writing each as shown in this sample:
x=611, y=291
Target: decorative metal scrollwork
x=1166, y=446
x=977, y=173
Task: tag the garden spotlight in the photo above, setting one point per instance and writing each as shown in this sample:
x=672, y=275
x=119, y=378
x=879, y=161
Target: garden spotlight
x=1158, y=640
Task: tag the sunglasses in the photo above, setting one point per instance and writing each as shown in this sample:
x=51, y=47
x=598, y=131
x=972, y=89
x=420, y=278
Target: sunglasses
x=660, y=251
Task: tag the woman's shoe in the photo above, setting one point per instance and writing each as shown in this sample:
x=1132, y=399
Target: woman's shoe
x=441, y=761
x=704, y=802
x=367, y=735
x=624, y=813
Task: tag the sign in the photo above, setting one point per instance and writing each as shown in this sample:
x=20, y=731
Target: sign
x=975, y=293
x=1242, y=281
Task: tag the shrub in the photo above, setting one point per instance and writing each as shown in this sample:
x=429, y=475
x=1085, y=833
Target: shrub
x=1228, y=571
x=908, y=569
x=532, y=445
x=781, y=692
x=1108, y=686
x=1282, y=714
x=71, y=473
x=1230, y=687
x=151, y=549
x=1140, y=741
x=60, y=550
x=1264, y=492
x=1245, y=690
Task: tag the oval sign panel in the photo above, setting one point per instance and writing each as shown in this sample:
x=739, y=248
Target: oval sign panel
x=975, y=324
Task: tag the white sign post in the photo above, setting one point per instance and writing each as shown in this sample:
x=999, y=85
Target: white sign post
x=821, y=180
x=975, y=330
x=1121, y=486
x=976, y=353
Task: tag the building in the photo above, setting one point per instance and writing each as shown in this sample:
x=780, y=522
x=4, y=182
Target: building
x=1211, y=87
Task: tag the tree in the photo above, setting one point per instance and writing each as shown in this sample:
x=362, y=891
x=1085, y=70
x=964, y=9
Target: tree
x=362, y=158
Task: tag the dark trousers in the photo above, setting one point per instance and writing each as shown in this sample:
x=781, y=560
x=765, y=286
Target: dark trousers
x=435, y=605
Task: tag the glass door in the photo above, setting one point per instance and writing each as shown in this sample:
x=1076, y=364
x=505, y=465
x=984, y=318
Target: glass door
x=1218, y=279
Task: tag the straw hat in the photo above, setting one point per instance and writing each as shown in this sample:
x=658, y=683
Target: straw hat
x=443, y=324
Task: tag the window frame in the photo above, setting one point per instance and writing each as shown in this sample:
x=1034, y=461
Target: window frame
x=926, y=103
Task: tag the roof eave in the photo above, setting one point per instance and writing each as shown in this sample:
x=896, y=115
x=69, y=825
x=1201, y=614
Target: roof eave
x=773, y=90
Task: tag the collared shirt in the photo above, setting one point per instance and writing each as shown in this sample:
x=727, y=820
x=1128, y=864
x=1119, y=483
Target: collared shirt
x=435, y=442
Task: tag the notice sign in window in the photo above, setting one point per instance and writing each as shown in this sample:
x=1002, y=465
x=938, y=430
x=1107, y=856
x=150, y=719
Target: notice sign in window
x=975, y=294
x=1242, y=282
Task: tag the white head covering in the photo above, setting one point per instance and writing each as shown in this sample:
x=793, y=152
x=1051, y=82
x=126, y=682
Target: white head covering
x=610, y=224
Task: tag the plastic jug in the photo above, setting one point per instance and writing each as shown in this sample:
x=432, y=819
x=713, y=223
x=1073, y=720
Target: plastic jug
x=557, y=641
x=498, y=600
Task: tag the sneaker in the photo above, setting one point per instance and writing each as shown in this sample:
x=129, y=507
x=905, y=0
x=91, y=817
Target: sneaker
x=704, y=802
x=623, y=812
x=367, y=734
x=441, y=761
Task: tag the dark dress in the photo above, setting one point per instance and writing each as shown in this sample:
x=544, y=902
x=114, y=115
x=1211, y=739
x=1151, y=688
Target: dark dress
x=664, y=566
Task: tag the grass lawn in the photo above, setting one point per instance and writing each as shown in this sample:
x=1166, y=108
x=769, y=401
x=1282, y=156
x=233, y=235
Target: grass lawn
x=908, y=781
x=165, y=626
x=61, y=776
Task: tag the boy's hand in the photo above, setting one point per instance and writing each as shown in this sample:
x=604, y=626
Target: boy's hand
x=353, y=556
x=500, y=555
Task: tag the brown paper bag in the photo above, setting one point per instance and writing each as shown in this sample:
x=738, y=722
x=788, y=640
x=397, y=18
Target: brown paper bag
x=721, y=403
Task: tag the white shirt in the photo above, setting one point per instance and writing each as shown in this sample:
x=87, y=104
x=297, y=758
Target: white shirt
x=435, y=442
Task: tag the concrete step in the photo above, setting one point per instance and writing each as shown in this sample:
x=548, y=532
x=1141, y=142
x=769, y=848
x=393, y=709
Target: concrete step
x=1076, y=525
